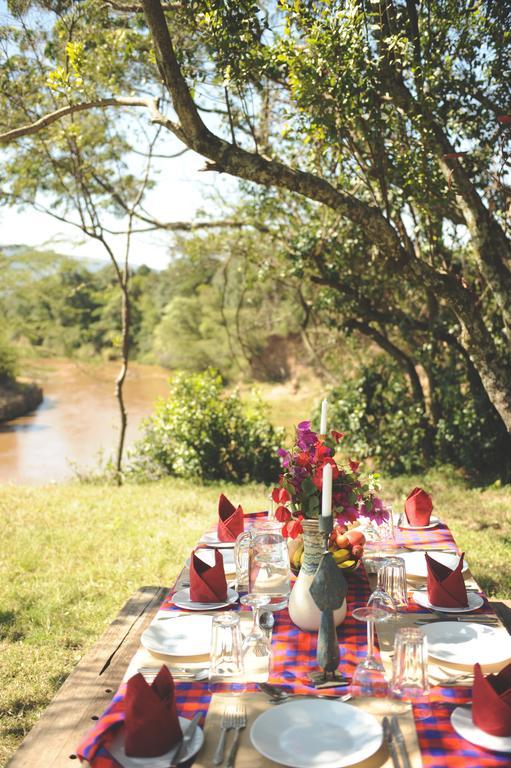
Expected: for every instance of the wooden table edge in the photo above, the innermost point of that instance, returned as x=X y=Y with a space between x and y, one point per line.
x=88 y=690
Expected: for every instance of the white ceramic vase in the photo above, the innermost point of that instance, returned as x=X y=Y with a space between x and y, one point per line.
x=303 y=611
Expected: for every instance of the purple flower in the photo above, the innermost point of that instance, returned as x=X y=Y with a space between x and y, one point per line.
x=378 y=513
x=285 y=457
x=304 y=426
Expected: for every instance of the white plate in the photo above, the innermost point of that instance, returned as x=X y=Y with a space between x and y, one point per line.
x=433 y=522
x=179 y=636
x=475 y=601
x=316 y=734
x=461 y=642
x=208 y=555
x=211 y=539
x=182 y=600
x=116 y=749
x=415 y=562
x=461 y=720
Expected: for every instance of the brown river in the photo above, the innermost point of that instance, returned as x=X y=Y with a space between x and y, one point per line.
x=77 y=420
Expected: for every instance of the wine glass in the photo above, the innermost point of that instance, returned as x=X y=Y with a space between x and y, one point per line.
x=369 y=676
x=380 y=598
x=256 y=648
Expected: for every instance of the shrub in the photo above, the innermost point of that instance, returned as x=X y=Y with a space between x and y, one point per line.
x=383 y=422
x=8 y=362
x=379 y=418
x=200 y=432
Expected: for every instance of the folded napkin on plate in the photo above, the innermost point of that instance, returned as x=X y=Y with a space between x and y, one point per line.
x=418 y=507
x=446 y=587
x=230 y=520
x=491 y=701
x=148 y=716
x=151 y=723
x=207 y=582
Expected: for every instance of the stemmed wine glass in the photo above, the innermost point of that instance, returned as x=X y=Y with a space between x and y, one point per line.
x=369 y=676
x=256 y=648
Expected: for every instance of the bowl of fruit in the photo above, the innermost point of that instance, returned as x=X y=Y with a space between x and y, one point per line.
x=345 y=544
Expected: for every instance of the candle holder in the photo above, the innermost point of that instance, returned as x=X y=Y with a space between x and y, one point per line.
x=328 y=590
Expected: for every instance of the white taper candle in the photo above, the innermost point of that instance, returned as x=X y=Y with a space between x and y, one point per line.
x=326 y=496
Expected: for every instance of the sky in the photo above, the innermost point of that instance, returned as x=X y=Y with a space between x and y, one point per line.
x=182 y=193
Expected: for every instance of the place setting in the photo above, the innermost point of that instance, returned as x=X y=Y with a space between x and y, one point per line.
x=417 y=512
x=230 y=525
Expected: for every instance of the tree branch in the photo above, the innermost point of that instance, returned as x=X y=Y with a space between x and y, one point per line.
x=52 y=117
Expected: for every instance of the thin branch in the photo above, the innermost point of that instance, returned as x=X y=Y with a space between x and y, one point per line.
x=52 y=117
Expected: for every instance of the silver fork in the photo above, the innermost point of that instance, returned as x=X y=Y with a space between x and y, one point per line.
x=226 y=724
x=240 y=722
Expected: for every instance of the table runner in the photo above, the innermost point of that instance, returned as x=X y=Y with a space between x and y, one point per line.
x=294 y=654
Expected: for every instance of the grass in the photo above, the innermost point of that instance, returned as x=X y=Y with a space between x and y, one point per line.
x=71 y=556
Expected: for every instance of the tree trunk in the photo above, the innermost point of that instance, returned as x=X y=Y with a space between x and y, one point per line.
x=119 y=382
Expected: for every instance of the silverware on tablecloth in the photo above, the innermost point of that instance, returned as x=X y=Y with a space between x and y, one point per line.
x=279 y=695
x=185 y=740
x=240 y=722
x=389 y=739
x=398 y=735
x=226 y=724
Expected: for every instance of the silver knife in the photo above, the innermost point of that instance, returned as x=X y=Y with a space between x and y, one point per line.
x=187 y=737
x=390 y=742
x=394 y=725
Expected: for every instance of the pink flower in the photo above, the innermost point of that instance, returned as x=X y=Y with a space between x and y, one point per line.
x=282 y=514
x=280 y=496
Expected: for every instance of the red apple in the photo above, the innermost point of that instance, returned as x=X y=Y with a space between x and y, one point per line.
x=356 y=537
x=342 y=541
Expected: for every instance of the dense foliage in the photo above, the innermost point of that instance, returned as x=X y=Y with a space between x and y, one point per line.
x=201 y=433
x=382 y=422
x=8 y=361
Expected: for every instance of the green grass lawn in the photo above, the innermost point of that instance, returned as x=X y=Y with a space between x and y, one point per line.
x=71 y=556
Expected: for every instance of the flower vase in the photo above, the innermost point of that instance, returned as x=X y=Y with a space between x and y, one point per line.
x=303 y=611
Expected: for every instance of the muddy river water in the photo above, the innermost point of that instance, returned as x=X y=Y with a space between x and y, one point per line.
x=77 y=420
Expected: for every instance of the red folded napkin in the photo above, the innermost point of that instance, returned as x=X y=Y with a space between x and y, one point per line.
x=207 y=582
x=151 y=723
x=446 y=587
x=491 y=701
x=230 y=520
x=418 y=507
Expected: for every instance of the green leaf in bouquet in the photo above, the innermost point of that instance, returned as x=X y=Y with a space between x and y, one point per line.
x=308 y=487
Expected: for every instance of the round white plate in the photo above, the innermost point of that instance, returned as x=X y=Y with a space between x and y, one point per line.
x=116 y=749
x=475 y=601
x=433 y=522
x=179 y=636
x=211 y=539
x=182 y=600
x=415 y=562
x=316 y=734
x=461 y=720
x=208 y=555
x=461 y=642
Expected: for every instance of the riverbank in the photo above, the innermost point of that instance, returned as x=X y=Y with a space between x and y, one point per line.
x=17 y=398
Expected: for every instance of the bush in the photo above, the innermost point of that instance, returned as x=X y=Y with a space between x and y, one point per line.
x=198 y=432
x=8 y=362
x=383 y=422
x=380 y=419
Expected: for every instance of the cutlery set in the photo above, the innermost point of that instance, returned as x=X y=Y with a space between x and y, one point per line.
x=279 y=695
x=233 y=718
x=395 y=742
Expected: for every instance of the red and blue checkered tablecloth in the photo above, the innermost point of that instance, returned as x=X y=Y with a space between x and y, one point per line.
x=294 y=656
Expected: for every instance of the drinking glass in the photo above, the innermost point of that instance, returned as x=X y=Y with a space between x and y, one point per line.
x=392 y=579
x=380 y=538
x=226 y=672
x=381 y=599
x=369 y=676
x=269 y=572
x=256 y=648
x=410 y=669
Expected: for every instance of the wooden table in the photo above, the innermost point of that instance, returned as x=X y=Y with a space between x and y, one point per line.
x=89 y=688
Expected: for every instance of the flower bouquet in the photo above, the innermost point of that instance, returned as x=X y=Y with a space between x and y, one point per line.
x=298 y=496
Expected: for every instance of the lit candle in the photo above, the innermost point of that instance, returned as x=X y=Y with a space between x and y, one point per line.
x=322 y=428
x=326 y=496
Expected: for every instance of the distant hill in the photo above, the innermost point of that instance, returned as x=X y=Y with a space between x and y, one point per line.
x=19 y=254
